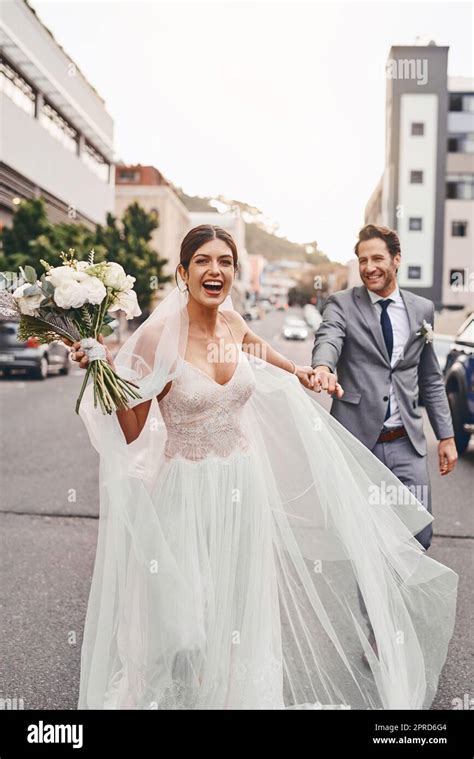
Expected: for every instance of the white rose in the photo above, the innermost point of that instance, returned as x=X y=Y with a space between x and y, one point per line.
x=115 y=277
x=28 y=304
x=59 y=275
x=82 y=265
x=127 y=301
x=80 y=276
x=94 y=289
x=71 y=294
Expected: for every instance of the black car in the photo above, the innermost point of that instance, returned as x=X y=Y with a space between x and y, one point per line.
x=459 y=379
x=30 y=357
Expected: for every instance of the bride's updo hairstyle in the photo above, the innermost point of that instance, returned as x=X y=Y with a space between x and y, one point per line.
x=197 y=237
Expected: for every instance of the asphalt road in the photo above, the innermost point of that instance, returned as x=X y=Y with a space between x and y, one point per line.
x=49 y=510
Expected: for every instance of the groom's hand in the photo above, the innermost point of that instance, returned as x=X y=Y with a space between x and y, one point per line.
x=304 y=374
x=323 y=379
x=447 y=455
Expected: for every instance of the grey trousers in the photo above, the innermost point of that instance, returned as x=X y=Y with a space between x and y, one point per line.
x=412 y=470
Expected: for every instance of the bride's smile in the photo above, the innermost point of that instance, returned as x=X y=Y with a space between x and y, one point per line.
x=209 y=274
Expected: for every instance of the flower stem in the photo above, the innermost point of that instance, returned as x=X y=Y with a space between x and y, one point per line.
x=84 y=383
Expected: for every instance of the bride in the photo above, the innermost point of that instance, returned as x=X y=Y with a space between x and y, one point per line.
x=239 y=520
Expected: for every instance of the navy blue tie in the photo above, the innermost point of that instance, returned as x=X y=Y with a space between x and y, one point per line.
x=387 y=335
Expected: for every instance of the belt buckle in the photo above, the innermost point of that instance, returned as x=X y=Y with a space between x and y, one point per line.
x=391 y=432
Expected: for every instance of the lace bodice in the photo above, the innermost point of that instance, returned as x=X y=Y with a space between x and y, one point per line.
x=204 y=418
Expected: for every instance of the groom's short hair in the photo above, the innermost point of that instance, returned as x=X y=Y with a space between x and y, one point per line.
x=371 y=231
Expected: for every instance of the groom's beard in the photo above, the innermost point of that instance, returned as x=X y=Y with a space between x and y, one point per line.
x=386 y=281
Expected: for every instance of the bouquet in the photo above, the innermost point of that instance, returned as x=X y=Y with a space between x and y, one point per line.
x=72 y=302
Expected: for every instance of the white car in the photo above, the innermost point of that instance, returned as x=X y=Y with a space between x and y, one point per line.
x=295 y=329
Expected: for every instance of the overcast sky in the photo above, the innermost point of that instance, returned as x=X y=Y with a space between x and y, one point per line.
x=279 y=105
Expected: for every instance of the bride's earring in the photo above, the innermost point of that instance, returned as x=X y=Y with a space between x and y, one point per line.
x=186 y=288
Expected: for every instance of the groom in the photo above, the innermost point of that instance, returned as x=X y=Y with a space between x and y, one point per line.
x=368 y=338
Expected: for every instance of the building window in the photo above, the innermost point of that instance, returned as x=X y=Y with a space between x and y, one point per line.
x=460 y=187
x=16 y=88
x=414 y=272
x=459 y=228
x=128 y=175
x=461 y=143
x=456 y=278
x=415 y=223
x=58 y=127
x=416 y=177
x=453 y=144
x=95 y=161
x=417 y=129
x=468 y=103
x=455 y=101
x=461 y=102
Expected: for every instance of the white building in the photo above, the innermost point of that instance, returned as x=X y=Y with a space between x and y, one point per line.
x=426 y=192
x=148 y=187
x=458 y=280
x=57 y=136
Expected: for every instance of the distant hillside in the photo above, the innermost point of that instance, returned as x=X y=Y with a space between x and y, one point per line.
x=259 y=238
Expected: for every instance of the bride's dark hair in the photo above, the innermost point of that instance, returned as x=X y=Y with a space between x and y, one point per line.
x=197 y=237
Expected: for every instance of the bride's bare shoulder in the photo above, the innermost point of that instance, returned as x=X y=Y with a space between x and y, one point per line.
x=236 y=321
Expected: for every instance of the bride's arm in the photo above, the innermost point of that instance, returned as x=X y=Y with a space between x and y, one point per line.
x=131 y=420
x=257 y=346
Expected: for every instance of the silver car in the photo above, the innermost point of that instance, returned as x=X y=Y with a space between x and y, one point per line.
x=30 y=357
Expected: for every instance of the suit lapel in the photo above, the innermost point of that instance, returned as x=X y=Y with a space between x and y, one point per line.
x=410 y=305
x=370 y=317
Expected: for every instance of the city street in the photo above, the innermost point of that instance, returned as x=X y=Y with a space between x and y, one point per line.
x=49 y=521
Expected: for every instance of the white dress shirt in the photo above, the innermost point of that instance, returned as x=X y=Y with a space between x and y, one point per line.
x=401 y=332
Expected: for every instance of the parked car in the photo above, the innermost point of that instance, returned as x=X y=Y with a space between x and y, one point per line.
x=31 y=356
x=459 y=379
x=295 y=329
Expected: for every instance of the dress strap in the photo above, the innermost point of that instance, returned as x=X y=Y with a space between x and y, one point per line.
x=232 y=336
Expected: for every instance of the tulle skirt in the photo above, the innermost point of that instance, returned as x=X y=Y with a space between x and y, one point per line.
x=223 y=611
x=260 y=580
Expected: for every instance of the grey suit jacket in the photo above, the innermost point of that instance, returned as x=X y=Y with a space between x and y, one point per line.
x=350 y=342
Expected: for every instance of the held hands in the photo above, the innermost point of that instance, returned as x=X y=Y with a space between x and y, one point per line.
x=319 y=378
x=323 y=379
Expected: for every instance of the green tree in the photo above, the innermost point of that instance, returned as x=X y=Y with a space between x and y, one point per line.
x=128 y=243
x=32 y=237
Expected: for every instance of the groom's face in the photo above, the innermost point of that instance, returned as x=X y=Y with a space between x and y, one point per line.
x=377 y=267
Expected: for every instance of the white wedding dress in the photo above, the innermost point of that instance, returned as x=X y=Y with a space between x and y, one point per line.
x=230 y=580
x=215 y=511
